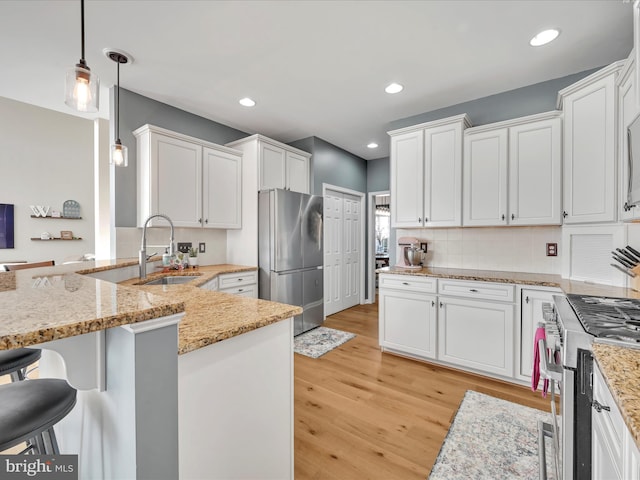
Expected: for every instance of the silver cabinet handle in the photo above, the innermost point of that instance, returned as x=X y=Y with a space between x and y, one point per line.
x=240 y=279
x=241 y=289
x=405 y=283
x=503 y=216
x=419 y=219
x=433 y=303
x=440 y=304
x=426 y=219
x=473 y=290
x=513 y=217
x=526 y=299
x=598 y=407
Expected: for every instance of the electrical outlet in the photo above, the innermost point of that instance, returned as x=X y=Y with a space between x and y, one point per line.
x=184 y=247
x=201 y=247
x=552 y=249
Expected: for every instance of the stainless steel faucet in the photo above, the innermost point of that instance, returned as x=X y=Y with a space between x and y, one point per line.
x=142 y=257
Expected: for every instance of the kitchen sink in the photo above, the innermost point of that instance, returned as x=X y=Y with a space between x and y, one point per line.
x=177 y=280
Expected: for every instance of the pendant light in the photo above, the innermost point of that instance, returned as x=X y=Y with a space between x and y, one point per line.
x=119 y=155
x=82 y=87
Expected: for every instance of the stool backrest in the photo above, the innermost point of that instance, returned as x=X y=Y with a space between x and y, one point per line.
x=22 y=266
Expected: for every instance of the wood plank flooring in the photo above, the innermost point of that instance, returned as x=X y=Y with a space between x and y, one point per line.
x=360 y=413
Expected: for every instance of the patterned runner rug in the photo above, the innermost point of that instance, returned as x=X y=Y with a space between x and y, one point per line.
x=319 y=341
x=492 y=439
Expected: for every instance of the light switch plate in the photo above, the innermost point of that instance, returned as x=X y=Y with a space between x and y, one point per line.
x=201 y=247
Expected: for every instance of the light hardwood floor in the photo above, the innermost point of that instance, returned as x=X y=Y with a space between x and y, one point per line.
x=361 y=414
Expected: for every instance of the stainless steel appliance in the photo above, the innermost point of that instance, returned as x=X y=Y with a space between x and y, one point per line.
x=409 y=253
x=572 y=325
x=290 y=255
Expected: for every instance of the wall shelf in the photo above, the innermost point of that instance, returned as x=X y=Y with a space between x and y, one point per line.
x=36 y=239
x=59 y=218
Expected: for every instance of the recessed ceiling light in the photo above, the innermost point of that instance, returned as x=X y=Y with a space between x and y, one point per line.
x=247 y=102
x=544 y=37
x=394 y=88
x=372 y=145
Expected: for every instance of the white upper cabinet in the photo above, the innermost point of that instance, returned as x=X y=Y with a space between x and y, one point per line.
x=426 y=174
x=590 y=147
x=512 y=172
x=193 y=182
x=222 y=199
x=627 y=111
x=407 y=163
x=535 y=173
x=281 y=166
x=485 y=178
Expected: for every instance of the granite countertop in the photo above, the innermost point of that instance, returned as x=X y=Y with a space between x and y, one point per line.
x=42 y=304
x=215 y=316
x=50 y=303
x=620 y=367
x=520 y=278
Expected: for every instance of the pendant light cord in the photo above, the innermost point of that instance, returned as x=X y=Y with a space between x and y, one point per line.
x=118 y=103
x=82 y=61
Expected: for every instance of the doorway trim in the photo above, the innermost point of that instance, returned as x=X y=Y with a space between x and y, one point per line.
x=371 y=242
x=362 y=196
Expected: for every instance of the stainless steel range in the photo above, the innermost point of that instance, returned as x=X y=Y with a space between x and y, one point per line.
x=573 y=323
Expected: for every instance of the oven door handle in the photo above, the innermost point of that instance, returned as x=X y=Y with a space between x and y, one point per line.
x=551 y=371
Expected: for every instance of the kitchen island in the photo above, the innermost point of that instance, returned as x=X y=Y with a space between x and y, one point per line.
x=138 y=396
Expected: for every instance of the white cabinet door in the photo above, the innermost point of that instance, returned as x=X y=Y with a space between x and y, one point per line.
x=408 y=322
x=589 y=153
x=443 y=176
x=272 y=167
x=485 y=178
x=297 y=177
x=530 y=316
x=176 y=180
x=535 y=169
x=222 y=189
x=608 y=432
x=407 y=179
x=627 y=111
x=476 y=334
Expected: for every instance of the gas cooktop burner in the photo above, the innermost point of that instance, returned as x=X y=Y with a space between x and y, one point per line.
x=614 y=318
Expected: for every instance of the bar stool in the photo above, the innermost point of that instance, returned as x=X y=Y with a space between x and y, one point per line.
x=30 y=409
x=15 y=362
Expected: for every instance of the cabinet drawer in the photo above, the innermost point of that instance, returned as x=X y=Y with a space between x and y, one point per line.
x=232 y=280
x=481 y=290
x=244 y=291
x=413 y=283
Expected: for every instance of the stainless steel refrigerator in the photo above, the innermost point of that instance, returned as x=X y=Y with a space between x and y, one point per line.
x=290 y=255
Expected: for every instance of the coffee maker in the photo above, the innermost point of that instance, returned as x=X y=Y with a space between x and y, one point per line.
x=409 y=253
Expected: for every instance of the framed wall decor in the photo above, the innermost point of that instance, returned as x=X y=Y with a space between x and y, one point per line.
x=6 y=225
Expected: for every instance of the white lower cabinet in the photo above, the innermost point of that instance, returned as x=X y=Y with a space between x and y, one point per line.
x=243 y=284
x=476 y=334
x=614 y=452
x=407 y=315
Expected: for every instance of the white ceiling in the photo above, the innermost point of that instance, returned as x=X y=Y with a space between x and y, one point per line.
x=314 y=67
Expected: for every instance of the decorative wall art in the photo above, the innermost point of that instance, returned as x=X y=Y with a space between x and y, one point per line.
x=6 y=225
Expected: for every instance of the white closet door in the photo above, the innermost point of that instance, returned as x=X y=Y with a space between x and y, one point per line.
x=342 y=250
x=333 y=252
x=351 y=258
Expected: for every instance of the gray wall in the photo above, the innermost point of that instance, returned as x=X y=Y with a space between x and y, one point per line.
x=537 y=98
x=135 y=111
x=378 y=174
x=333 y=165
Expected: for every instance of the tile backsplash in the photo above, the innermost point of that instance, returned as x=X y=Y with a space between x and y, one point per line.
x=510 y=249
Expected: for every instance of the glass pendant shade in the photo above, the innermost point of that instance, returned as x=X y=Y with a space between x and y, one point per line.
x=119 y=155
x=82 y=89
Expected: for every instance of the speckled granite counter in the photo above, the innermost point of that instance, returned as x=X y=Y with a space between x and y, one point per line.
x=42 y=304
x=520 y=278
x=39 y=305
x=620 y=367
x=215 y=316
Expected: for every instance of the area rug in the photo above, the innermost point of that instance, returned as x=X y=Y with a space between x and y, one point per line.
x=319 y=341
x=492 y=439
